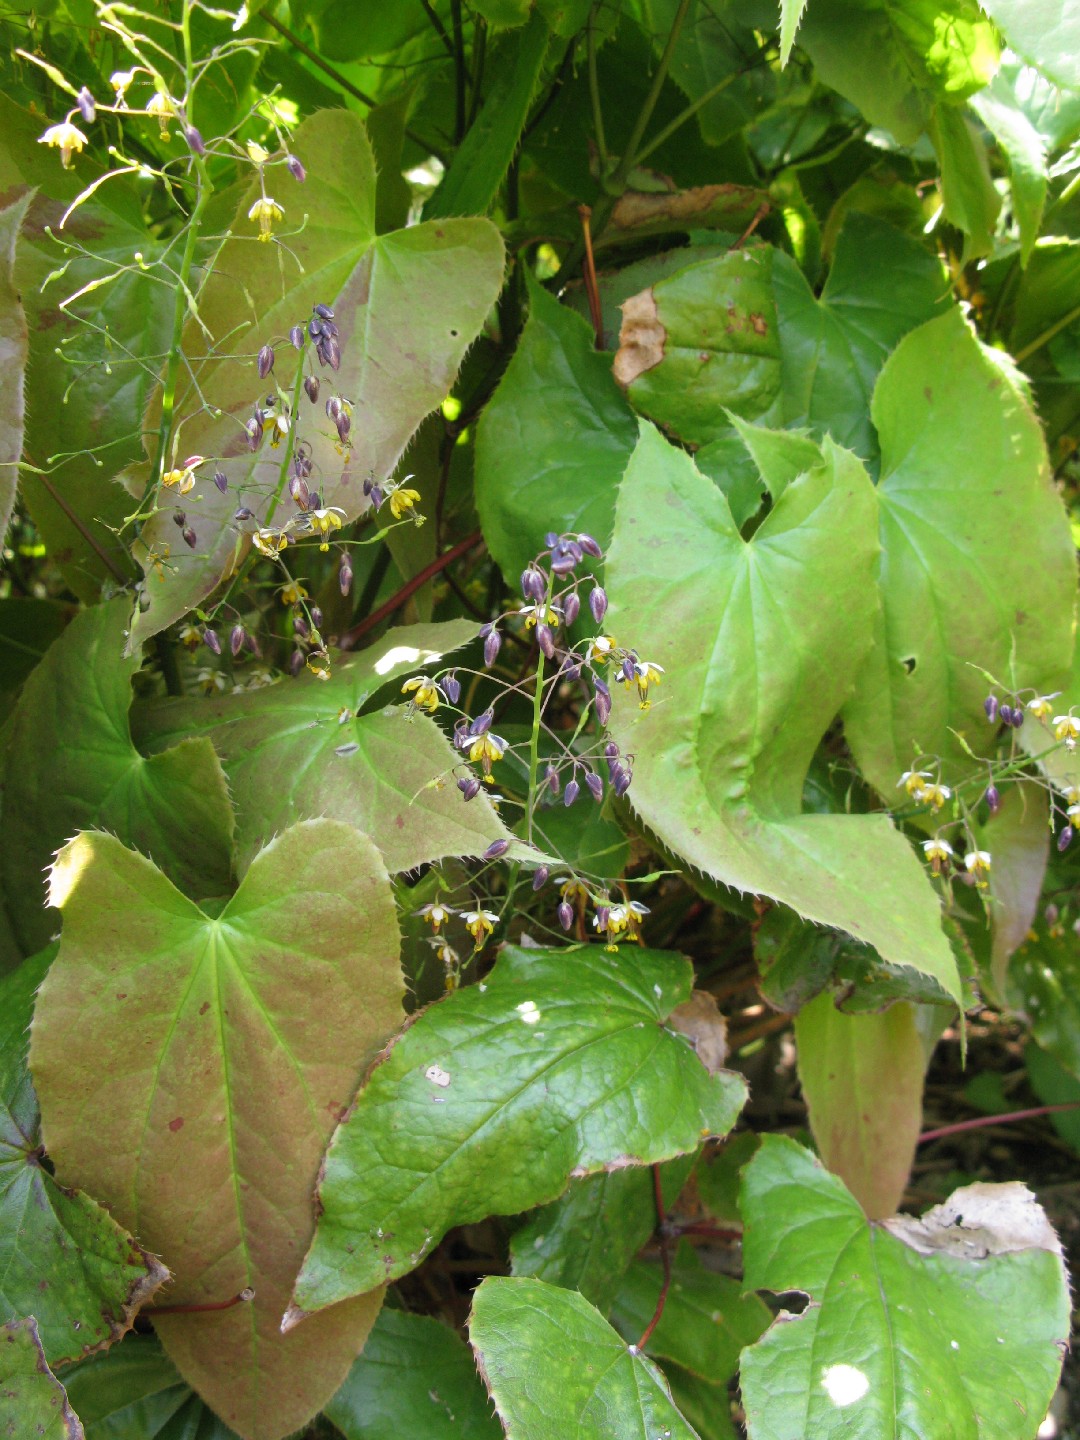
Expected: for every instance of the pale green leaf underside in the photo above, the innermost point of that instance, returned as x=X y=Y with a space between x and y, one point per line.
x=760 y=641
x=13 y=352
x=556 y=1368
x=32 y=1399
x=954 y=1324
x=70 y=764
x=204 y=1135
x=514 y=1086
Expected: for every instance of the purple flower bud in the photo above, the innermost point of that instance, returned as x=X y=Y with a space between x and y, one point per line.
x=244 y=514
x=571 y=607
x=189 y=536
x=179 y=517
x=323 y=312
x=295 y=168
x=1064 y=840
x=236 y=639
x=315 y=502
x=300 y=627
x=565 y=554
x=345 y=575
x=626 y=670
x=344 y=425
x=254 y=428
x=495 y=849
x=602 y=913
x=595 y=784
x=196 y=144
x=333 y=408
x=329 y=352
x=551 y=776
x=470 y=787
x=451 y=688
x=1051 y=914
x=296 y=662
x=551 y=540
x=533 y=584
x=211 y=641
x=540 y=877
x=251 y=644
x=311 y=385
x=598 y=604
x=314 y=327
x=570 y=794
x=492 y=646
x=621 y=781
x=589 y=545
x=993 y=799
x=565 y=914
x=296 y=337
x=300 y=493
x=545 y=638
x=1018 y=717
x=265 y=361
x=482 y=724
x=571 y=667
x=301 y=464
x=221 y=480
x=316 y=616
x=377 y=496
x=603 y=700
x=990 y=705
x=611 y=751
x=87 y=106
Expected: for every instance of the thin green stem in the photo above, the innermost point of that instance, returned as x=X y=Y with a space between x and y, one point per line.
x=534 y=738
x=459 y=71
x=687 y=114
x=290 y=443
x=1047 y=335
x=594 y=93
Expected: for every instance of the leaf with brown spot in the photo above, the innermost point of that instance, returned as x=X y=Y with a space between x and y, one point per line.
x=705 y=207
x=300 y=970
x=32 y=1399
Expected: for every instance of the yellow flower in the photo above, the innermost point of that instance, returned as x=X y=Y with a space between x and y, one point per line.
x=571 y=889
x=156 y=558
x=479 y=924
x=190 y=638
x=1041 y=707
x=427 y=693
x=435 y=914
x=267 y=212
x=66 y=138
x=210 y=680
x=161 y=108
x=935 y=795
x=257 y=153
x=1072 y=794
x=184 y=478
x=270 y=542
x=602 y=647
x=402 y=501
x=1067 y=728
x=325 y=522
x=977 y=863
x=914 y=782
x=121 y=80
x=614 y=920
x=293 y=593
x=939 y=852
x=319 y=666
x=487 y=749
x=534 y=614
x=645 y=674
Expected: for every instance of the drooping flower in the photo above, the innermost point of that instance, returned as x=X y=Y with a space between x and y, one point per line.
x=645 y=673
x=121 y=81
x=479 y=923
x=269 y=542
x=426 y=694
x=914 y=782
x=616 y=920
x=486 y=749
x=66 y=138
x=938 y=852
x=1041 y=706
x=435 y=914
x=1067 y=728
x=977 y=863
x=267 y=213
x=292 y=593
x=161 y=107
x=184 y=478
x=935 y=795
x=211 y=680
x=602 y=648
x=325 y=521
x=540 y=614
x=257 y=153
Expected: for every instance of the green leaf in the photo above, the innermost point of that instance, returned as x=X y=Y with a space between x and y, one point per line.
x=71 y=765
x=14 y=347
x=969 y=198
x=893 y=58
x=1054 y=1085
x=476 y=172
x=703 y=342
x=706 y=1320
x=590 y=1384
x=586 y=1239
x=978 y=572
x=706 y=1407
x=408 y=305
x=27 y=628
x=882 y=284
x=1043 y=984
x=518 y=1084
x=790 y=14
x=135 y=1392
x=592 y=843
x=1000 y=110
x=1018 y=839
x=33 y=1399
x=862 y=1079
x=761 y=640
x=1046 y=33
x=286 y=750
x=953 y=1324
x=552 y=444
x=96 y=1277
x=415 y=1377
x=253 y=1028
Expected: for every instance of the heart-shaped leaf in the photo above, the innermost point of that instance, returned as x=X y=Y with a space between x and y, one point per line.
x=554 y=1366
x=517 y=1084
x=760 y=641
x=407 y=306
x=70 y=764
x=191 y=1068
x=97 y=1277
x=953 y=1324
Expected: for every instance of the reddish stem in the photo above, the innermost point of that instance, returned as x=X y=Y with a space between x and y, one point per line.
x=981 y=1120
x=240 y=1299
x=350 y=637
x=592 y=290
x=665 y=1258
x=708 y=1230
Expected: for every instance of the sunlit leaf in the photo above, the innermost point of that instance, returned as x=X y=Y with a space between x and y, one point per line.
x=96 y=1276
x=70 y=764
x=415 y=1377
x=760 y=641
x=1046 y=33
x=518 y=1085
x=407 y=306
x=590 y=1384
x=1002 y=112
x=33 y=1399
x=191 y=1067
x=1043 y=984
x=954 y=1323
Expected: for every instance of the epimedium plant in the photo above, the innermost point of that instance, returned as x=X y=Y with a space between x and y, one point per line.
x=485 y=486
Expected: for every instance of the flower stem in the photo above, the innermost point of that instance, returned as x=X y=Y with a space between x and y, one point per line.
x=538 y=706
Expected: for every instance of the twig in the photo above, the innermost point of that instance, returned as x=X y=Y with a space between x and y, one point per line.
x=592 y=290
x=982 y=1120
x=665 y=1259
x=350 y=637
x=244 y=1296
